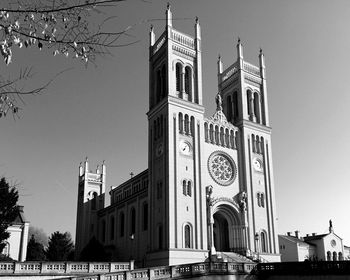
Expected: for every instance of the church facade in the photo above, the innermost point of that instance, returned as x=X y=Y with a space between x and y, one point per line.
x=209 y=185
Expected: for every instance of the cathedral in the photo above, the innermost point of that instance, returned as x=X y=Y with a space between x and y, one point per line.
x=209 y=185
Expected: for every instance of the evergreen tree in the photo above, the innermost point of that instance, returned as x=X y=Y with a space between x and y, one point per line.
x=35 y=250
x=8 y=209
x=94 y=251
x=60 y=247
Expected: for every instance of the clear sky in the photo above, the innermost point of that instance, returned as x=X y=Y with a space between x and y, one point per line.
x=100 y=112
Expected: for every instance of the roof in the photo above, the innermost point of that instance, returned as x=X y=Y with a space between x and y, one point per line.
x=315 y=237
x=20 y=218
x=294 y=239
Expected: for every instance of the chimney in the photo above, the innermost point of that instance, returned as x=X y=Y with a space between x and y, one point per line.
x=314 y=234
x=288 y=233
x=297 y=234
x=307 y=235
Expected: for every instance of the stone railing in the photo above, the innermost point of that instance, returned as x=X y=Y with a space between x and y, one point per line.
x=305 y=268
x=177 y=271
x=182 y=39
x=230 y=71
x=120 y=271
x=160 y=42
x=66 y=268
x=252 y=69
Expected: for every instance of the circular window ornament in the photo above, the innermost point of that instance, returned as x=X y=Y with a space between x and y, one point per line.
x=222 y=168
x=333 y=243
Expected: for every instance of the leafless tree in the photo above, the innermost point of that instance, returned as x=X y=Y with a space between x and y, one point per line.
x=66 y=27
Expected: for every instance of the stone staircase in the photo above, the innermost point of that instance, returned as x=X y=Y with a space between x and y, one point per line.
x=232 y=257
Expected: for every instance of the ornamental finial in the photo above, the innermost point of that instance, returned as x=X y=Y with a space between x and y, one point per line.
x=218 y=100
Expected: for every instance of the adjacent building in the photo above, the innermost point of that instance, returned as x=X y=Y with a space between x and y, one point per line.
x=209 y=185
x=16 y=244
x=314 y=247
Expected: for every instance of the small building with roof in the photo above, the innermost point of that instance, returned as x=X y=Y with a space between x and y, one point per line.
x=314 y=247
x=16 y=244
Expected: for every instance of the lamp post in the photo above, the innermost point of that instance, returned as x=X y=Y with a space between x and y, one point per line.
x=257 y=245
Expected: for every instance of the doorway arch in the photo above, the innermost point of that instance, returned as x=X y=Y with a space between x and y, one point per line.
x=229 y=234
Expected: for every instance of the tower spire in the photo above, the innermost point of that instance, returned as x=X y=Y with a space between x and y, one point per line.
x=151 y=36
x=169 y=16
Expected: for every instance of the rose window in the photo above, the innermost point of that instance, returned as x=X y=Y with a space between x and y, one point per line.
x=221 y=168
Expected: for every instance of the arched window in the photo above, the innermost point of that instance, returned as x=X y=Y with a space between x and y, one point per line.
x=188 y=82
x=178 y=77
x=257 y=145
x=164 y=81
x=161 y=125
x=258 y=196
x=189 y=188
x=184 y=190
x=253 y=143
x=340 y=256
x=6 y=250
x=154 y=130
x=222 y=137
x=133 y=221
x=263 y=242
x=249 y=104
x=262 y=200
x=111 y=231
x=103 y=231
x=94 y=201
x=329 y=256
x=229 y=108
x=216 y=135
x=187 y=235
x=121 y=224
x=206 y=132
x=145 y=216
x=334 y=256
x=159 y=86
x=235 y=105
x=192 y=126
x=187 y=124
x=211 y=133
x=181 y=123
x=257 y=106
x=160 y=237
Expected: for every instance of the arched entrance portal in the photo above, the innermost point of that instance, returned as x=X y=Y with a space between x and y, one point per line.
x=221 y=233
x=229 y=233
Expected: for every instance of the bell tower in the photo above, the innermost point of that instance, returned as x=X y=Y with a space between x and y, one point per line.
x=243 y=90
x=177 y=228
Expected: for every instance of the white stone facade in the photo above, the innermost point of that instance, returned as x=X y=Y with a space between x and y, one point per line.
x=209 y=184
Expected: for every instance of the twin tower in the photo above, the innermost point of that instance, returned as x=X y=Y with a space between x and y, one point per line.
x=209 y=187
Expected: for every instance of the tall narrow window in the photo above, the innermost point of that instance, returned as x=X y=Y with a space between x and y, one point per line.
x=263 y=242
x=184 y=190
x=257 y=106
x=189 y=188
x=258 y=196
x=235 y=105
x=178 y=77
x=121 y=224
x=187 y=234
x=111 y=231
x=103 y=231
x=334 y=256
x=229 y=108
x=262 y=200
x=181 y=123
x=329 y=258
x=145 y=216
x=164 y=81
x=94 y=201
x=159 y=86
x=133 y=221
x=160 y=237
x=188 y=82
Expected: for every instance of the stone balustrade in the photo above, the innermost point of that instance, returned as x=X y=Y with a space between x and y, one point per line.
x=120 y=271
x=35 y=268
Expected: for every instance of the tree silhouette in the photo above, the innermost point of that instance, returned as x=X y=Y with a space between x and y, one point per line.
x=35 y=250
x=94 y=251
x=60 y=247
x=8 y=209
x=64 y=26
